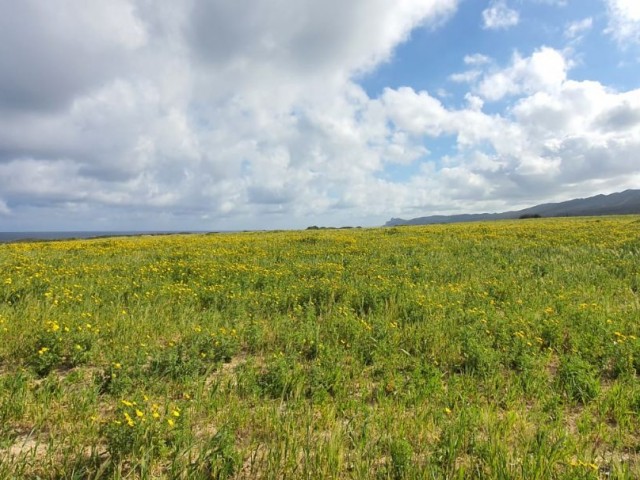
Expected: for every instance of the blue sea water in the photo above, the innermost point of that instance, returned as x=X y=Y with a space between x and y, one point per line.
x=25 y=236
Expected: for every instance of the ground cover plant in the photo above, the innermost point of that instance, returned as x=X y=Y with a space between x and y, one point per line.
x=484 y=350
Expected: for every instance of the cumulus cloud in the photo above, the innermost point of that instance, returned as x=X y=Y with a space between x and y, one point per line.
x=198 y=109
x=561 y=137
x=499 y=16
x=545 y=70
x=624 y=21
x=55 y=51
x=211 y=114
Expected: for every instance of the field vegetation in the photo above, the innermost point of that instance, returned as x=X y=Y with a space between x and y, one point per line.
x=486 y=350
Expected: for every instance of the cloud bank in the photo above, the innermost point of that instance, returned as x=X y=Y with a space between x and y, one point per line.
x=249 y=114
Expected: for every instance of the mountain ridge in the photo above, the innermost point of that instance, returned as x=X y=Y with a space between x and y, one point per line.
x=619 y=203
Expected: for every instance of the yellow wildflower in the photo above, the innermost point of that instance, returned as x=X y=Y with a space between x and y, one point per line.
x=129 y=420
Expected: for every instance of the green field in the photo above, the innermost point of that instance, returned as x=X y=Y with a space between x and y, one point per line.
x=484 y=350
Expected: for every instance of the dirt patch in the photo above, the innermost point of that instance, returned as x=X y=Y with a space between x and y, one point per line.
x=253 y=463
x=26 y=445
x=227 y=370
x=552 y=366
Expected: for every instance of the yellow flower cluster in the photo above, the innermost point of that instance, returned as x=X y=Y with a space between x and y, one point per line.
x=137 y=413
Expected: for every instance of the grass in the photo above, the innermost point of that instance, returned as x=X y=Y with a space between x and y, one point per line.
x=484 y=350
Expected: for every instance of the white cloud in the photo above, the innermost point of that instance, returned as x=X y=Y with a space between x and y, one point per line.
x=576 y=29
x=562 y=138
x=545 y=70
x=197 y=109
x=476 y=59
x=557 y=3
x=55 y=51
x=475 y=103
x=624 y=21
x=499 y=16
x=4 y=208
x=477 y=62
x=465 y=77
x=210 y=114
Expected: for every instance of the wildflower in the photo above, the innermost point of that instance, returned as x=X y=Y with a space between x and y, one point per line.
x=43 y=350
x=170 y=422
x=129 y=420
x=447 y=410
x=127 y=403
x=139 y=413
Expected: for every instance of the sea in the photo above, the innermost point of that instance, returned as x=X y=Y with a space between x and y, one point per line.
x=42 y=236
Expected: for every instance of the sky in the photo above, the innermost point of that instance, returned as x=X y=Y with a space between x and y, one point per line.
x=265 y=114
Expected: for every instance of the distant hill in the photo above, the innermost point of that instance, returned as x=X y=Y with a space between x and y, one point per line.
x=621 y=203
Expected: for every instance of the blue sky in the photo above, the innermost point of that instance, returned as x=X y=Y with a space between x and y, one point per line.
x=431 y=55
x=206 y=114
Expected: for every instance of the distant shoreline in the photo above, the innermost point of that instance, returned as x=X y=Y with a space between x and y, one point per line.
x=16 y=237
